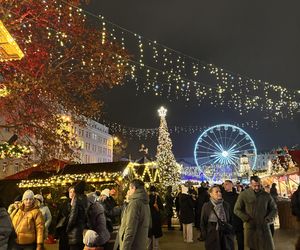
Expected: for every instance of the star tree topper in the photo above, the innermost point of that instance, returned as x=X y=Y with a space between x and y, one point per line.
x=162 y=112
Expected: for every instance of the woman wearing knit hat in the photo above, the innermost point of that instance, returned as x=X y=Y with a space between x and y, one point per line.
x=28 y=223
x=98 y=235
x=45 y=212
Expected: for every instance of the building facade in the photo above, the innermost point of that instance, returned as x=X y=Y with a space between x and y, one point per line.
x=94 y=141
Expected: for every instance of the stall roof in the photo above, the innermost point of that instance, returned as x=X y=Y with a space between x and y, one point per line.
x=109 y=167
x=51 y=166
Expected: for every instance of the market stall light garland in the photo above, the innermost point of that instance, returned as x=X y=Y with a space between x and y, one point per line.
x=13 y=151
x=69 y=179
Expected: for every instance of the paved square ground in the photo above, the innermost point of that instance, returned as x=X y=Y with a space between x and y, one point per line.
x=172 y=240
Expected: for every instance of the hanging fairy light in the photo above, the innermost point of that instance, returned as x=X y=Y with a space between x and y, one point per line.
x=170 y=73
x=175 y=75
x=13 y=151
x=145 y=133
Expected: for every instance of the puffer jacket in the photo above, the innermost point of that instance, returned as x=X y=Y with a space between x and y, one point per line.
x=77 y=220
x=97 y=222
x=28 y=225
x=47 y=218
x=5 y=228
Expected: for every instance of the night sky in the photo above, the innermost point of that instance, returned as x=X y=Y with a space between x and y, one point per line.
x=259 y=39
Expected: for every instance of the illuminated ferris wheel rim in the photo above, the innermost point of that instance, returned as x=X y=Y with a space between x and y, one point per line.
x=224 y=153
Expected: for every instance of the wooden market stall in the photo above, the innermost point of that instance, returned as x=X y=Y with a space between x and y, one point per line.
x=287 y=182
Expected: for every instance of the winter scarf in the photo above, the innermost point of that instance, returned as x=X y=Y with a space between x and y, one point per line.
x=219 y=209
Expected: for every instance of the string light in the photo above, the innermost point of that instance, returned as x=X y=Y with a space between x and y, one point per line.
x=4 y=91
x=144 y=133
x=176 y=75
x=13 y=151
x=149 y=170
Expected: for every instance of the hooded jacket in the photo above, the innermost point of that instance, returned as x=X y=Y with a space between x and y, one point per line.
x=5 y=228
x=28 y=225
x=133 y=233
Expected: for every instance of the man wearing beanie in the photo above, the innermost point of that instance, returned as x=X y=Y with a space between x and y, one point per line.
x=28 y=223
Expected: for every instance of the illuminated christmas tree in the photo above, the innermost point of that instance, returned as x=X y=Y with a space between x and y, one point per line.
x=169 y=168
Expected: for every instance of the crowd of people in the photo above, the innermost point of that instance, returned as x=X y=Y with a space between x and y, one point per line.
x=87 y=219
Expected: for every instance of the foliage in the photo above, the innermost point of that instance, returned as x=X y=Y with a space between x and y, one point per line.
x=67 y=63
x=119 y=147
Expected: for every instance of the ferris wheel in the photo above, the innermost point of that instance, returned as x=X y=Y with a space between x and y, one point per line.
x=219 y=149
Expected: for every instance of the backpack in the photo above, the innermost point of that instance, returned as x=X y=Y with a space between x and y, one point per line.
x=295 y=204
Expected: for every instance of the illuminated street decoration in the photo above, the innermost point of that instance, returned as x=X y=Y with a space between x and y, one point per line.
x=13 y=151
x=132 y=171
x=169 y=169
x=172 y=74
x=218 y=151
x=145 y=133
x=9 y=49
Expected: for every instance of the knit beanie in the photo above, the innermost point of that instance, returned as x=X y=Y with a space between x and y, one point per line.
x=90 y=238
x=184 y=189
x=39 y=197
x=28 y=194
x=105 y=192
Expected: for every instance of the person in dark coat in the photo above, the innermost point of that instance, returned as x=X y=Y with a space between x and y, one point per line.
x=169 y=203
x=230 y=196
x=6 y=227
x=203 y=197
x=64 y=207
x=212 y=211
x=156 y=207
x=97 y=222
x=78 y=217
x=257 y=209
x=273 y=192
x=187 y=216
x=272 y=226
x=295 y=207
x=112 y=212
x=177 y=207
